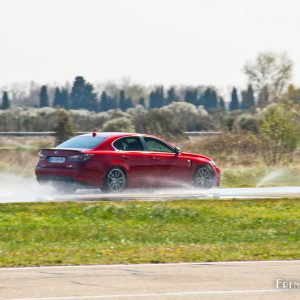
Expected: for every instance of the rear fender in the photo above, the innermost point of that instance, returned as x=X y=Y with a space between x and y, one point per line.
x=116 y=162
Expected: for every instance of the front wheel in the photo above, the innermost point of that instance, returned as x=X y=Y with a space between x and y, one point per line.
x=204 y=177
x=115 y=181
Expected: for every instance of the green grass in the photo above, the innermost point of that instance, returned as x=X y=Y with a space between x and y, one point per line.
x=140 y=232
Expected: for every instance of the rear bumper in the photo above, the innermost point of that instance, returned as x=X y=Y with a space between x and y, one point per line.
x=42 y=179
x=84 y=177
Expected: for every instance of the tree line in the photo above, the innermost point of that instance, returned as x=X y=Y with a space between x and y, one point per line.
x=268 y=77
x=82 y=95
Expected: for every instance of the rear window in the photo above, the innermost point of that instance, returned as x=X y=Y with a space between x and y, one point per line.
x=82 y=142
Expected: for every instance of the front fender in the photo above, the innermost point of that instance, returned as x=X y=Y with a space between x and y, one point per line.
x=200 y=162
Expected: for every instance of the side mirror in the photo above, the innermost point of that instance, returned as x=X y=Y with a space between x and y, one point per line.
x=177 y=150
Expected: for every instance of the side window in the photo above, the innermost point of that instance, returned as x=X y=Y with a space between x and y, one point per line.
x=157 y=145
x=129 y=144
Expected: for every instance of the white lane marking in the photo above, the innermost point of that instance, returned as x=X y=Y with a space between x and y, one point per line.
x=154 y=265
x=157 y=294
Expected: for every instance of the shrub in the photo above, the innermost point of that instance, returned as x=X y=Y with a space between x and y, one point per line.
x=247 y=122
x=63 y=129
x=279 y=133
x=159 y=122
x=121 y=124
x=233 y=148
x=191 y=117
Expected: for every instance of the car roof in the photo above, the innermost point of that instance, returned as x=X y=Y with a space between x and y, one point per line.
x=110 y=134
x=117 y=135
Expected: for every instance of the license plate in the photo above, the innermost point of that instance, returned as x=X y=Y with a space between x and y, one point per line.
x=56 y=159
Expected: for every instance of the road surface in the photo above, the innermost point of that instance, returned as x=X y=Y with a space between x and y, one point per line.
x=35 y=193
x=213 y=281
x=15 y=188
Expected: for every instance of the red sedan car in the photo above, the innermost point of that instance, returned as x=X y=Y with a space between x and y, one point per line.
x=114 y=161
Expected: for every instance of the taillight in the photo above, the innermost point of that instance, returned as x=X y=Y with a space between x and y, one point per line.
x=42 y=156
x=80 y=157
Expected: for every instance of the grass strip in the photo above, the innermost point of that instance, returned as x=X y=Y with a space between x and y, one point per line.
x=34 y=234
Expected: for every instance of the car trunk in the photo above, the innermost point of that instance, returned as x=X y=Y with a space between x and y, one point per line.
x=58 y=158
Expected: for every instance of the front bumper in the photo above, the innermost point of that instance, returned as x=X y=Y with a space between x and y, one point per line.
x=218 y=175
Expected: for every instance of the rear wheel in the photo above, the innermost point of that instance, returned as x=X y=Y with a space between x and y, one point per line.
x=204 y=177
x=115 y=181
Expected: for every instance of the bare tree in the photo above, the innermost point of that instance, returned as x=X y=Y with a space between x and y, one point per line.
x=270 y=72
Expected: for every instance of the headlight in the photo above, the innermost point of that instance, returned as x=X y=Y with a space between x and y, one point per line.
x=213 y=163
x=80 y=157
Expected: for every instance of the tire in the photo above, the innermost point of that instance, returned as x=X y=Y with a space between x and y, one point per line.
x=115 y=181
x=204 y=177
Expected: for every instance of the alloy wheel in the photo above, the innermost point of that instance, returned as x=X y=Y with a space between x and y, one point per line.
x=203 y=178
x=116 y=180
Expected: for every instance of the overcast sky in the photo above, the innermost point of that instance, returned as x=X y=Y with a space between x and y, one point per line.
x=150 y=41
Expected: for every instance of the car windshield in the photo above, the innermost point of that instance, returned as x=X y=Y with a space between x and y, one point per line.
x=82 y=142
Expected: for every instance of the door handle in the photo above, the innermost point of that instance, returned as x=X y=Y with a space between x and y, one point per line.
x=125 y=156
x=155 y=158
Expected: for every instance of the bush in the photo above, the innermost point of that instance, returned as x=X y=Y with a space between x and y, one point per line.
x=202 y=123
x=247 y=122
x=63 y=129
x=159 y=122
x=27 y=119
x=191 y=117
x=279 y=133
x=237 y=148
x=229 y=122
x=121 y=124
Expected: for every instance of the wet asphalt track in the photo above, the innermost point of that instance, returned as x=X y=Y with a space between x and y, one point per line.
x=36 y=193
x=15 y=188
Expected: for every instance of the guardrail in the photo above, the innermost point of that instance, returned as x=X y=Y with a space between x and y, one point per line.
x=51 y=133
x=17 y=133
x=202 y=133
x=31 y=133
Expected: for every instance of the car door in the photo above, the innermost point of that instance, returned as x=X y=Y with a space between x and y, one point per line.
x=167 y=167
x=130 y=151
